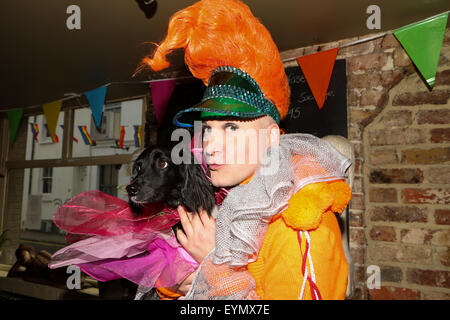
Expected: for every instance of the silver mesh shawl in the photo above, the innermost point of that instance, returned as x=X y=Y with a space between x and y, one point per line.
x=242 y=221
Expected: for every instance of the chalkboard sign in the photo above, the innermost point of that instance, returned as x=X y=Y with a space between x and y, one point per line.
x=304 y=115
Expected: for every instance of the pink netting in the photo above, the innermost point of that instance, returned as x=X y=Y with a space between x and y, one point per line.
x=153 y=259
x=97 y=213
x=108 y=242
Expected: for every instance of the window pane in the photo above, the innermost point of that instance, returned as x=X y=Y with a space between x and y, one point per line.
x=39 y=143
x=116 y=135
x=39 y=203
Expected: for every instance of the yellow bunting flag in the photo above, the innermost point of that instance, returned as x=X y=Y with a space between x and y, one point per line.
x=51 y=112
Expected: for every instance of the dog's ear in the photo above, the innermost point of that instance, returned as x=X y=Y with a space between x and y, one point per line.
x=197 y=192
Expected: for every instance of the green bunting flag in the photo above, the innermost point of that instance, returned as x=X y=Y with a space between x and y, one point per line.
x=14 y=117
x=423 y=42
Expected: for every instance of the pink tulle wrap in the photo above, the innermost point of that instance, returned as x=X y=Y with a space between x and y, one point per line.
x=108 y=242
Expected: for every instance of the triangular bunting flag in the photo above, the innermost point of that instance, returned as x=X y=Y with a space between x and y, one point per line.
x=161 y=92
x=317 y=69
x=423 y=42
x=96 y=100
x=14 y=117
x=51 y=112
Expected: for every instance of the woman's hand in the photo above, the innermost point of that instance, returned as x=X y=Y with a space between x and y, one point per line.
x=198 y=238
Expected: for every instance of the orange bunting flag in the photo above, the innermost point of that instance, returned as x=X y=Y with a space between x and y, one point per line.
x=317 y=69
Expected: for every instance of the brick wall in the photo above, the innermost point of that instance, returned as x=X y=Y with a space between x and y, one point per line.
x=406 y=174
x=399 y=212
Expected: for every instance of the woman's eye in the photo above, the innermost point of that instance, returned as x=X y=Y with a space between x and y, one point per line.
x=162 y=164
x=206 y=130
x=231 y=127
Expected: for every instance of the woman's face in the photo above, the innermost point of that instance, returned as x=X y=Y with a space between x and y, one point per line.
x=233 y=148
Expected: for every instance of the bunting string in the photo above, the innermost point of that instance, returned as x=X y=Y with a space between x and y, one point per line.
x=421 y=40
x=69 y=96
x=370 y=38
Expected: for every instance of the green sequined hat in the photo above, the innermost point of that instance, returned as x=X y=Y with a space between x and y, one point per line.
x=231 y=92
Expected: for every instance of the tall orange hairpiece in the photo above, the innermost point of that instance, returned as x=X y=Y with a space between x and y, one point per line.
x=216 y=33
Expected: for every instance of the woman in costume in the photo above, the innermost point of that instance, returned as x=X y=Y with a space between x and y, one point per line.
x=275 y=236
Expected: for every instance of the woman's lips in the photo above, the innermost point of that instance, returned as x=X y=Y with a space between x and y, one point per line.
x=214 y=166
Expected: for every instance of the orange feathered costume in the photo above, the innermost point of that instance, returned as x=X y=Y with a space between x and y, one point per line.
x=216 y=33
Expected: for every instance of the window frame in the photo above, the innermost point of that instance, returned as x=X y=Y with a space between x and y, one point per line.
x=66 y=159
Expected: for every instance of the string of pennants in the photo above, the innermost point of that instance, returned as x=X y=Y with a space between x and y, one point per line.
x=422 y=41
x=84 y=133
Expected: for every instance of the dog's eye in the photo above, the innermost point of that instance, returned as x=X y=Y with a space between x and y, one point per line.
x=161 y=164
x=138 y=168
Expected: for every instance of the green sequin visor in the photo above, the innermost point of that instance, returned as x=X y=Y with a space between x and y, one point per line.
x=233 y=93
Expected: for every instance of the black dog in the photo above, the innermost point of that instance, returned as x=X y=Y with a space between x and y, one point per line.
x=157 y=179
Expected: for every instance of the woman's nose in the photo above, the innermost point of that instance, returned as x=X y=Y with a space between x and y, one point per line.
x=213 y=145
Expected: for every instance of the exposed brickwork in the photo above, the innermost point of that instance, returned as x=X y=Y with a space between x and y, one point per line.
x=398 y=214
x=383 y=195
x=432 y=278
x=394 y=293
x=438 y=116
x=442 y=216
x=405 y=133
x=383 y=156
x=426 y=156
x=391 y=274
x=426 y=196
x=421 y=98
x=382 y=233
x=396 y=176
x=440 y=135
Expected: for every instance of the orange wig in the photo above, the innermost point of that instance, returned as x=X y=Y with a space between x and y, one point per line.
x=216 y=33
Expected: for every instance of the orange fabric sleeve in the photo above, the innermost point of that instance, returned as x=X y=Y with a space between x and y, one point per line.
x=277 y=271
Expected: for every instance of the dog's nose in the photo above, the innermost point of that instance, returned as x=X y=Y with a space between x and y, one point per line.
x=131 y=189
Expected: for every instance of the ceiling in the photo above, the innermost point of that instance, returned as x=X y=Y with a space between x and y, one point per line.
x=41 y=59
